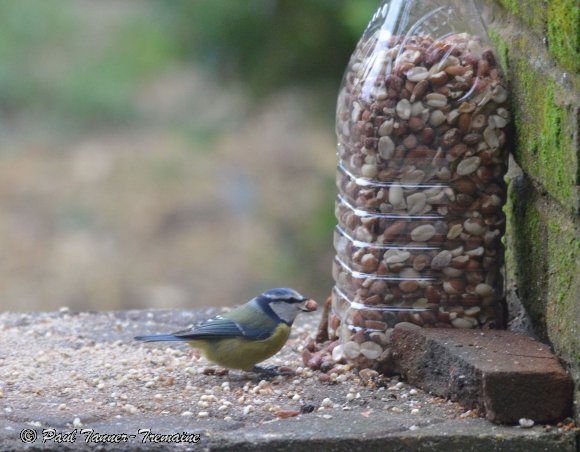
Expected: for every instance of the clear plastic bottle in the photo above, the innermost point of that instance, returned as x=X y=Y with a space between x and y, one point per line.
x=421 y=120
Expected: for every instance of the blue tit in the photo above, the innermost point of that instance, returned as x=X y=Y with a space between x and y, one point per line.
x=248 y=334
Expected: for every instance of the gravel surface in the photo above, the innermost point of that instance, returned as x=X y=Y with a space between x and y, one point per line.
x=86 y=367
x=67 y=371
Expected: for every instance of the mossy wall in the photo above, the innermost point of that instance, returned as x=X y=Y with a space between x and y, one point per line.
x=538 y=44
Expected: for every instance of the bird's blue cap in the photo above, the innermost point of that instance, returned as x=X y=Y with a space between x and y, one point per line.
x=284 y=294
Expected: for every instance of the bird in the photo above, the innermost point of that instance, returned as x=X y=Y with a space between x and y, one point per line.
x=248 y=334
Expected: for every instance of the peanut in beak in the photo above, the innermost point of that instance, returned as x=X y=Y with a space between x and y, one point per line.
x=309 y=306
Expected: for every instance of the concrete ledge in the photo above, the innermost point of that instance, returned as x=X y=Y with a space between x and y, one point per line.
x=504 y=375
x=73 y=371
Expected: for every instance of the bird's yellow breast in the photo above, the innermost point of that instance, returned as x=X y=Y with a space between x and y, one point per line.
x=239 y=353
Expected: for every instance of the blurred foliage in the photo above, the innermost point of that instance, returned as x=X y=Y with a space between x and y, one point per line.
x=53 y=64
x=273 y=43
x=149 y=145
x=103 y=83
x=27 y=29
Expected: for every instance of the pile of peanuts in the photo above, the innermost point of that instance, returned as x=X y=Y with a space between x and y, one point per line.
x=421 y=130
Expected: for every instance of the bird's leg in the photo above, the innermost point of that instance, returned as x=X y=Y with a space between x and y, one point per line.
x=272 y=371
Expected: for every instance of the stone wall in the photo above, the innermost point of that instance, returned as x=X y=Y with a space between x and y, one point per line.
x=539 y=47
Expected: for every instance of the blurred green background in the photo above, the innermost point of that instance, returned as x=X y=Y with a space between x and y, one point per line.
x=168 y=154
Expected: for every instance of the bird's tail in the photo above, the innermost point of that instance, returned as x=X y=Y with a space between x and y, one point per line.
x=158 y=338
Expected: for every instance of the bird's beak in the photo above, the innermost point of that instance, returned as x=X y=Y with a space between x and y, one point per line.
x=308 y=305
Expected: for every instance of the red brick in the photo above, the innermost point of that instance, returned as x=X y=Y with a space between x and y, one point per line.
x=504 y=375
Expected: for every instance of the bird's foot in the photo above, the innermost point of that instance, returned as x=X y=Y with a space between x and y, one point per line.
x=215 y=371
x=273 y=371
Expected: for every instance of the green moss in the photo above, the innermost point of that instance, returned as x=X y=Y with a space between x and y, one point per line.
x=513 y=6
x=543 y=255
x=550 y=140
x=508 y=239
x=501 y=47
x=559 y=21
x=527 y=259
x=563 y=253
x=563 y=322
x=531 y=12
x=545 y=146
x=535 y=15
x=564 y=33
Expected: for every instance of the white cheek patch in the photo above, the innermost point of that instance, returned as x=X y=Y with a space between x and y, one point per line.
x=286 y=311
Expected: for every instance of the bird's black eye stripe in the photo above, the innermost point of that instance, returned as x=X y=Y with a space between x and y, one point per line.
x=294 y=300
x=288 y=300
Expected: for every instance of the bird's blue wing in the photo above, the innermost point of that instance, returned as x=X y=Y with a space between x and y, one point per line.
x=220 y=327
